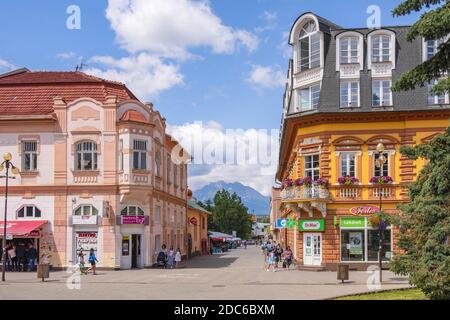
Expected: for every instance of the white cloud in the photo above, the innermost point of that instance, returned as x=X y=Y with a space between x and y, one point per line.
x=169 y=28
x=284 y=47
x=267 y=77
x=270 y=19
x=144 y=74
x=246 y=156
x=66 y=55
x=6 y=66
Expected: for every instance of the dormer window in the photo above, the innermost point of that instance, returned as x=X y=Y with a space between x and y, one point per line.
x=432 y=47
x=309 y=47
x=349 y=50
x=308 y=98
x=381 y=51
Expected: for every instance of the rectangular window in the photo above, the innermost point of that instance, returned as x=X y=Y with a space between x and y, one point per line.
x=348 y=165
x=312 y=166
x=432 y=47
x=381 y=48
x=168 y=169
x=181 y=176
x=309 y=52
x=381 y=93
x=121 y=154
x=175 y=175
x=435 y=99
x=139 y=154
x=29 y=158
x=309 y=98
x=349 y=94
x=381 y=172
x=157 y=215
x=349 y=50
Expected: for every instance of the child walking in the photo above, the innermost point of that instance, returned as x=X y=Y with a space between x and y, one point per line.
x=177 y=258
x=271 y=262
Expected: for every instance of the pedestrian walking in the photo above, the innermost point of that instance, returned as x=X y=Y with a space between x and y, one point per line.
x=271 y=262
x=171 y=258
x=245 y=244
x=287 y=258
x=20 y=255
x=177 y=258
x=81 y=261
x=278 y=254
x=92 y=260
x=12 y=258
x=31 y=255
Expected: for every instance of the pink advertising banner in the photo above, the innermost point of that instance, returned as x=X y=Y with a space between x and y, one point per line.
x=133 y=220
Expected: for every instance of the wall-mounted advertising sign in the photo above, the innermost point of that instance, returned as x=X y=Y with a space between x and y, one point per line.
x=353 y=222
x=312 y=225
x=285 y=223
x=364 y=210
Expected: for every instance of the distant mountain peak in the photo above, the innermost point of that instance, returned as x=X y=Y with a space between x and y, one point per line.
x=252 y=199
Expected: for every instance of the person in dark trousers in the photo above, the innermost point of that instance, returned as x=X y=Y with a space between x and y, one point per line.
x=20 y=254
x=92 y=260
x=31 y=256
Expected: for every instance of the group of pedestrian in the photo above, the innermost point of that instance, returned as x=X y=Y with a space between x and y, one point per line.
x=169 y=259
x=92 y=259
x=21 y=257
x=274 y=254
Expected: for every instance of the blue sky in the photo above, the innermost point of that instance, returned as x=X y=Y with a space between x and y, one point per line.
x=205 y=78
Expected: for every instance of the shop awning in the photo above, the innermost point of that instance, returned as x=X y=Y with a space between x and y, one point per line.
x=21 y=228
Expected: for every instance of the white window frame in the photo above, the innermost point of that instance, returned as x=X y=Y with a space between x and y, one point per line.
x=381 y=93
x=381 y=57
x=25 y=216
x=313 y=169
x=346 y=42
x=312 y=35
x=387 y=164
x=29 y=147
x=311 y=106
x=436 y=99
x=138 y=210
x=347 y=85
x=81 y=148
x=345 y=157
x=392 y=47
x=92 y=210
x=426 y=46
x=157 y=217
x=140 y=149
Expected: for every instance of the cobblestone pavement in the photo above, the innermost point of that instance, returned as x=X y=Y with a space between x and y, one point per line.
x=235 y=275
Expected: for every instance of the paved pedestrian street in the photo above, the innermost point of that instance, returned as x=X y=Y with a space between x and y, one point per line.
x=237 y=274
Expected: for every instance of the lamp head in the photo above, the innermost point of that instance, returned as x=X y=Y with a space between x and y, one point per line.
x=380 y=147
x=7 y=156
x=15 y=170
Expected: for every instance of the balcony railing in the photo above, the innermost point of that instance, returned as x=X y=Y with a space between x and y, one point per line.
x=347 y=192
x=304 y=193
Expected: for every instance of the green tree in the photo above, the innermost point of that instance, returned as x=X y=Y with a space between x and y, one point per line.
x=230 y=214
x=425 y=221
x=209 y=206
x=433 y=24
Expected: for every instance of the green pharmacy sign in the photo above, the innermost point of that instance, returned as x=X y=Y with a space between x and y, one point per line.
x=353 y=222
x=290 y=223
x=312 y=225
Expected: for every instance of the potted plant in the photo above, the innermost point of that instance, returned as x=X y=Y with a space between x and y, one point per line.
x=308 y=182
x=298 y=182
x=348 y=181
x=321 y=182
x=288 y=183
x=382 y=180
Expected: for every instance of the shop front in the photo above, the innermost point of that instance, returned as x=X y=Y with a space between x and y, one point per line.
x=132 y=246
x=312 y=231
x=86 y=236
x=359 y=241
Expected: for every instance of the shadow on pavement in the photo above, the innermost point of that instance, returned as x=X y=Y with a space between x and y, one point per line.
x=210 y=262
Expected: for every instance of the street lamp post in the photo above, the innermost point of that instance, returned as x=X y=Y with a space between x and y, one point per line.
x=380 y=163
x=7 y=165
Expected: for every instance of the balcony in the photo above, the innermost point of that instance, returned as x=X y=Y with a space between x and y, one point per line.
x=306 y=198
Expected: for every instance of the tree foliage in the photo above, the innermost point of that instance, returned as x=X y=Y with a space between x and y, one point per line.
x=433 y=24
x=425 y=221
x=228 y=214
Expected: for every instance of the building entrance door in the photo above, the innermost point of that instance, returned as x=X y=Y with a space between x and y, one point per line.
x=312 y=249
x=135 y=250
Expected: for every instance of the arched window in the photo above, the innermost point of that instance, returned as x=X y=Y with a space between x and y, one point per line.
x=29 y=211
x=309 y=47
x=132 y=211
x=86 y=210
x=86 y=156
